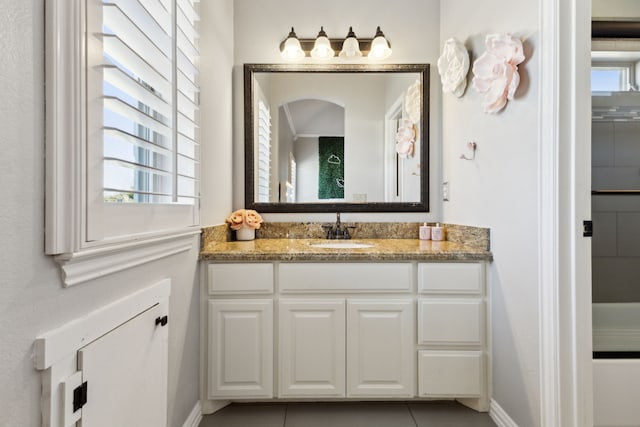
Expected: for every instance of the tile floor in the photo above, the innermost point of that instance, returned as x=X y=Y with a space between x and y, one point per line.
x=348 y=414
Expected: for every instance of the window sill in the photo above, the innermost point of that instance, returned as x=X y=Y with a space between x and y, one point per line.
x=90 y=264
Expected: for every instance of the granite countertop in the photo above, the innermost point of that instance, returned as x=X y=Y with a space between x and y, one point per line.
x=282 y=249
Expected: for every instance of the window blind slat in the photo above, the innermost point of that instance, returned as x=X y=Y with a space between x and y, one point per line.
x=186 y=126
x=186 y=86
x=136 y=66
x=187 y=46
x=187 y=67
x=153 y=21
x=187 y=147
x=189 y=10
x=123 y=150
x=186 y=25
x=143 y=46
x=186 y=167
x=125 y=110
x=126 y=84
x=137 y=166
x=187 y=107
x=187 y=187
x=114 y=134
x=159 y=13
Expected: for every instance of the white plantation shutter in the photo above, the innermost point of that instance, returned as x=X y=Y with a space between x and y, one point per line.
x=142 y=116
x=187 y=93
x=263 y=166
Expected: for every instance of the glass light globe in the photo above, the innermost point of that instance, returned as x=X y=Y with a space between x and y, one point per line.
x=351 y=46
x=322 y=47
x=292 y=49
x=379 y=46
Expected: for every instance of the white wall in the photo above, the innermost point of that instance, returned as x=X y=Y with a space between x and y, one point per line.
x=33 y=300
x=499 y=190
x=216 y=129
x=615 y=9
x=411 y=26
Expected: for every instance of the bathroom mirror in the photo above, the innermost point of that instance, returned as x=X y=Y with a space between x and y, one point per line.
x=323 y=138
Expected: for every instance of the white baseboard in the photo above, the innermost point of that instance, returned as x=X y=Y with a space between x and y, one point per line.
x=194 y=418
x=499 y=416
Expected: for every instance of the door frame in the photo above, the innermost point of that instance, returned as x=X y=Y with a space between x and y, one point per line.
x=566 y=378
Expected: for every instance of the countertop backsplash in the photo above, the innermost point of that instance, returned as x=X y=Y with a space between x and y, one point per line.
x=472 y=236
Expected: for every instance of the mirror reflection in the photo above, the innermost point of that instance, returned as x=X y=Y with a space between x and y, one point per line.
x=341 y=138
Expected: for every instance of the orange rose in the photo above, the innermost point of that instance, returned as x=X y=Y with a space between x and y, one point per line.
x=252 y=219
x=236 y=219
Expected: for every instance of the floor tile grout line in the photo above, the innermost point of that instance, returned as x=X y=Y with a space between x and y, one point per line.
x=286 y=409
x=411 y=413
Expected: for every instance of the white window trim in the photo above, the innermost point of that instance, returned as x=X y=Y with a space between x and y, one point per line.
x=65 y=204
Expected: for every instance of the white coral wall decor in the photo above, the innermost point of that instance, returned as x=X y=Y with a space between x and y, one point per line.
x=496 y=71
x=412 y=102
x=453 y=66
x=405 y=137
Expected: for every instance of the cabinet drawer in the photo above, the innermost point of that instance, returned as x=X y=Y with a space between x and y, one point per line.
x=256 y=278
x=455 y=277
x=450 y=373
x=345 y=277
x=453 y=321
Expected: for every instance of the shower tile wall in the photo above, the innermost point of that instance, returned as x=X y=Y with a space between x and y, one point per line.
x=616 y=218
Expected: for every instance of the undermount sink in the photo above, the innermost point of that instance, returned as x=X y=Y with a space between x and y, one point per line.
x=341 y=245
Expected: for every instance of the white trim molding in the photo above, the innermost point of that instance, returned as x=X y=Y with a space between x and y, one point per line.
x=80 y=267
x=566 y=388
x=194 y=418
x=499 y=416
x=65 y=117
x=57 y=344
x=548 y=277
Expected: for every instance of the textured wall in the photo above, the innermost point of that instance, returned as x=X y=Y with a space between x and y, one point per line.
x=33 y=300
x=499 y=190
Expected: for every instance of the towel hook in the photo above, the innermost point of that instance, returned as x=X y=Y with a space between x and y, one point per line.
x=471 y=145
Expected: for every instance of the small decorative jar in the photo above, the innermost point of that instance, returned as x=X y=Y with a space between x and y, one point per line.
x=245 y=233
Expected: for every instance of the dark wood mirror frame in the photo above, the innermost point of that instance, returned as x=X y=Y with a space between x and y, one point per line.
x=422 y=206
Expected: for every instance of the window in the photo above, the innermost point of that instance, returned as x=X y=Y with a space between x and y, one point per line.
x=122 y=123
x=611 y=78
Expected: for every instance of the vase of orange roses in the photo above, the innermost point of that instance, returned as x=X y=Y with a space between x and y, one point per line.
x=245 y=222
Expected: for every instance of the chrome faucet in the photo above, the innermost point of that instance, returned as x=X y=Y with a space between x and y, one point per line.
x=337 y=231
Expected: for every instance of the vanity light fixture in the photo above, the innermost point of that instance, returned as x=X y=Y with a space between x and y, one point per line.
x=291 y=49
x=323 y=48
x=380 y=48
x=351 y=46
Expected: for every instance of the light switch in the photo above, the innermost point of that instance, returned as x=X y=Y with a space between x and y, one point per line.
x=445 y=191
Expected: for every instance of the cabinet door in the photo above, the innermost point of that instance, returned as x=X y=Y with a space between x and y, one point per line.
x=380 y=348
x=126 y=374
x=240 y=349
x=312 y=348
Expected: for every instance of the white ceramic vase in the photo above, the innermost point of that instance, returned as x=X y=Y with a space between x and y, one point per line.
x=245 y=233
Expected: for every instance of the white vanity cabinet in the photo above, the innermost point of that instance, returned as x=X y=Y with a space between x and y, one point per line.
x=346 y=330
x=452 y=337
x=239 y=347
